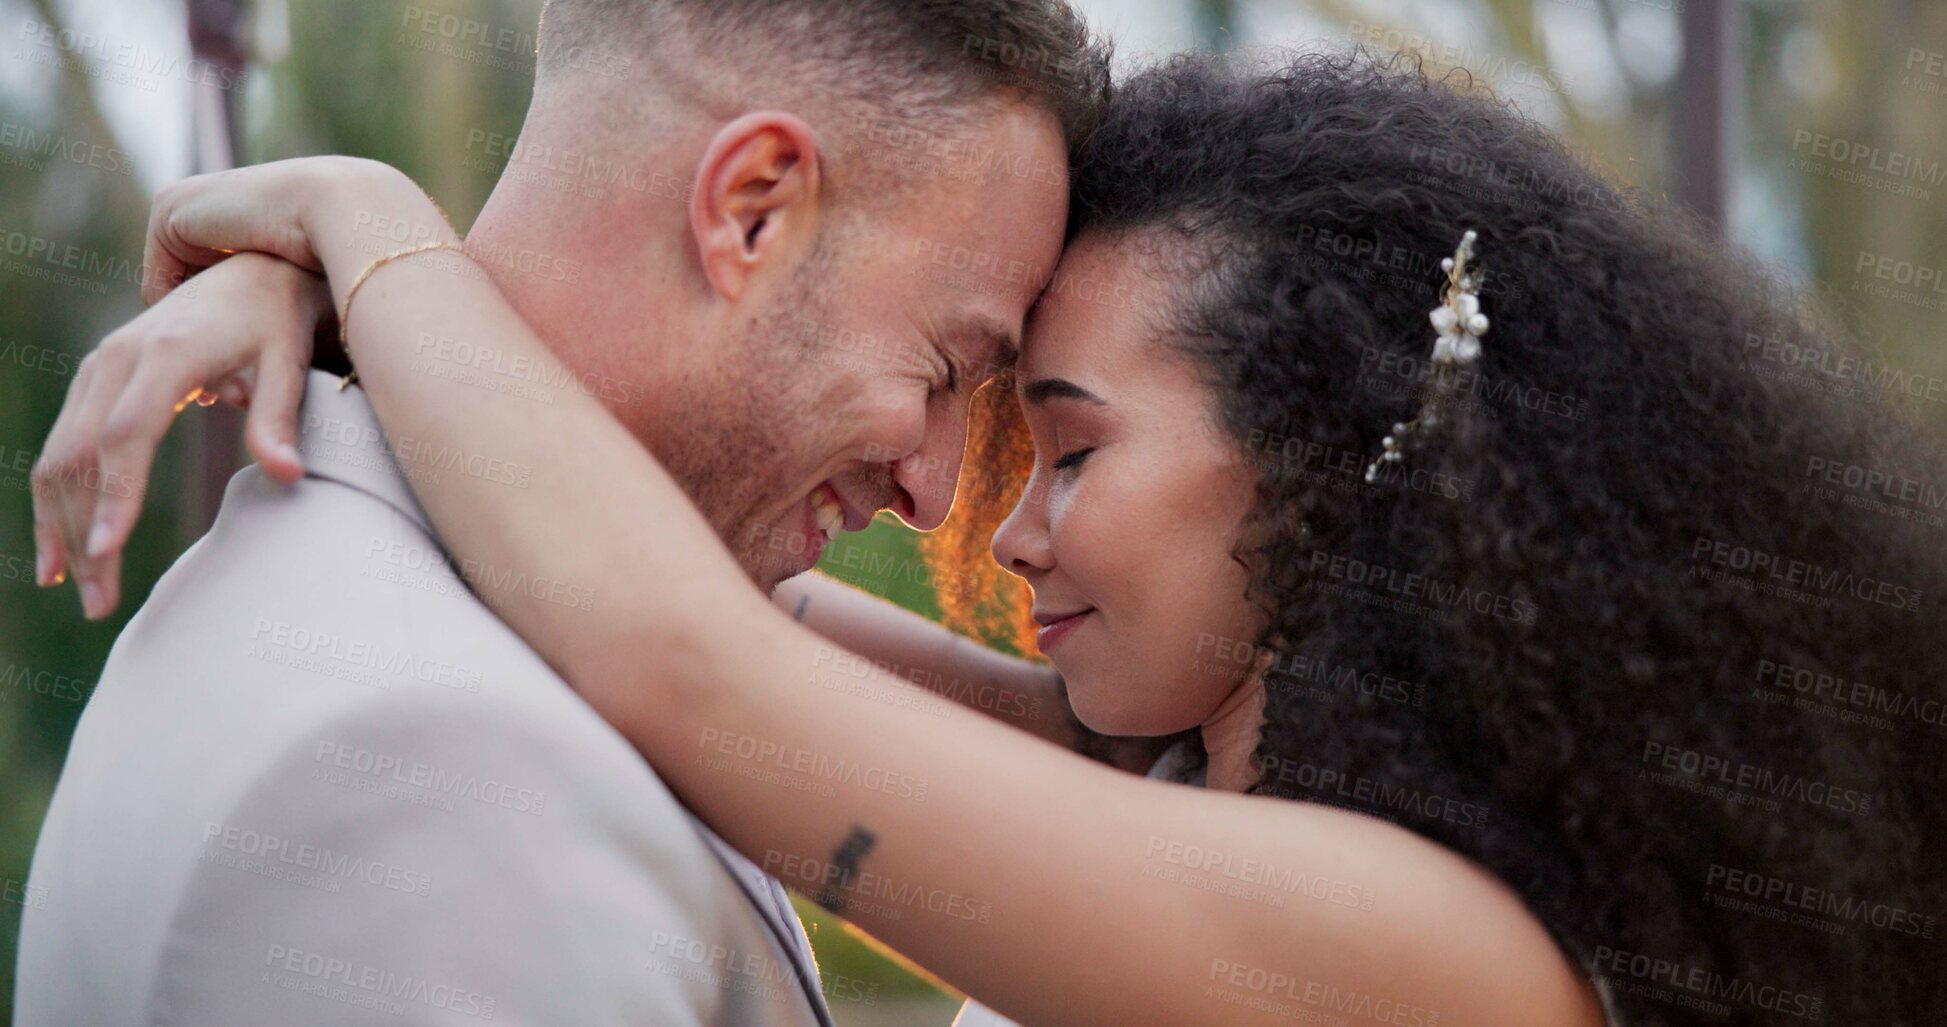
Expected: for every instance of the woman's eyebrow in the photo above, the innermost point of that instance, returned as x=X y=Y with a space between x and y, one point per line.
x=1041 y=390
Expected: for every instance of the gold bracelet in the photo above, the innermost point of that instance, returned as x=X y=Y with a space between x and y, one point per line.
x=345 y=312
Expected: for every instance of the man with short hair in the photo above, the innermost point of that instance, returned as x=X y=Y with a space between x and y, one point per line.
x=319 y=781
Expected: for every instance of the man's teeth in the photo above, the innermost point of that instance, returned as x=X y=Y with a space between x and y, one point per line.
x=831 y=516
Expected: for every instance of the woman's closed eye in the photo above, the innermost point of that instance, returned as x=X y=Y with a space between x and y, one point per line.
x=1073 y=458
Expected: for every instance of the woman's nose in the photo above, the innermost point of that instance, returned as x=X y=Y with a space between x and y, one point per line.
x=1021 y=544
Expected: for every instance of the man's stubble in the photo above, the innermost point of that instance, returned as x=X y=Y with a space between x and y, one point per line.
x=741 y=446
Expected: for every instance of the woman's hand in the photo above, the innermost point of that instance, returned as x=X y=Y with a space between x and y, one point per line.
x=243 y=335
x=329 y=214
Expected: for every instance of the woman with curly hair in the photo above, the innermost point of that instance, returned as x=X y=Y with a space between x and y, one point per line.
x=1611 y=634
x=1558 y=666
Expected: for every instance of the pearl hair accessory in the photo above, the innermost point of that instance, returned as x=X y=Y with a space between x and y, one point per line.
x=1460 y=324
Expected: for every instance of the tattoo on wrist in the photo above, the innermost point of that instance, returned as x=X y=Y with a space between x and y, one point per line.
x=804 y=602
x=844 y=865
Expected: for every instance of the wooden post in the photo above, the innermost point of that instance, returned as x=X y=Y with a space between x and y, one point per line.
x=212 y=439
x=1706 y=118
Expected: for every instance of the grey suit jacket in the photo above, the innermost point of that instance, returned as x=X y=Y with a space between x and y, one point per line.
x=320 y=783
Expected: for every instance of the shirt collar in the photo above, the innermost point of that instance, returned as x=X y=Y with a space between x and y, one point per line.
x=340 y=439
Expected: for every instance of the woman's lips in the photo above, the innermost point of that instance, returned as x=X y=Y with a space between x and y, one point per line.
x=1056 y=630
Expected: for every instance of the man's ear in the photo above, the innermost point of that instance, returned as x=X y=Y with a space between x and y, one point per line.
x=757 y=193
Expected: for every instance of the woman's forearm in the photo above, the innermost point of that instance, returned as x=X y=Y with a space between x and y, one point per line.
x=1013 y=691
x=1016 y=692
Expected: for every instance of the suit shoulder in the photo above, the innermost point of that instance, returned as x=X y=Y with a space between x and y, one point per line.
x=460 y=858
x=321 y=580
x=469 y=855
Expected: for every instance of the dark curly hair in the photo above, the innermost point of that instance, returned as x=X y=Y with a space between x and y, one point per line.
x=1643 y=628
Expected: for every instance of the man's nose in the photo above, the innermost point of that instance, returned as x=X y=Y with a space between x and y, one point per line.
x=924 y=479
x=923 y=485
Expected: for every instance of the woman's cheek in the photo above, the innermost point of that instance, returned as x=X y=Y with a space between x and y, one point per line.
x=1128 y=700
x=1098 y=709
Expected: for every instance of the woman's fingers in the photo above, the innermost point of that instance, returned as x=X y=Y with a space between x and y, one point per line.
x=200 y=220
x=74 y=474
x=271 y=432
x=136 y=423
x=193 y=224
x=164 y=250
x=50 y=552
x=50 y=567
x=244 y=337
x=93 y=472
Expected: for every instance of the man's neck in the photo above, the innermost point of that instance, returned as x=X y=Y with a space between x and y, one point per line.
x=604 y=302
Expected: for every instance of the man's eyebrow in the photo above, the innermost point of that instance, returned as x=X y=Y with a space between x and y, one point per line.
x=1005 y=341
x=1041 y=390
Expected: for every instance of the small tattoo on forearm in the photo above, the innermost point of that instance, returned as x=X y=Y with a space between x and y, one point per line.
x=844 y=865
x=803 y=603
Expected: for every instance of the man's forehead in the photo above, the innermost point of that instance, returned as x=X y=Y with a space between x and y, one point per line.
x=998 y=210
x=978 y=294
